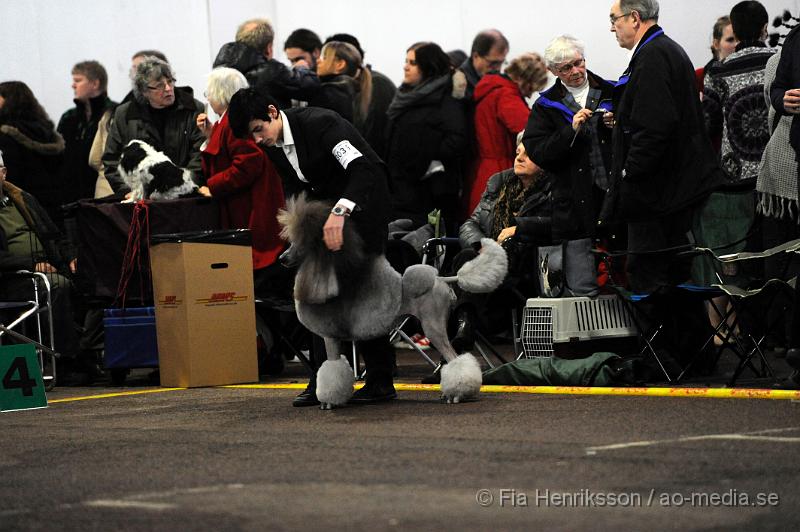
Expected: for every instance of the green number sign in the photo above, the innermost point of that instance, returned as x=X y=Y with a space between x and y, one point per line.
x=21 y=385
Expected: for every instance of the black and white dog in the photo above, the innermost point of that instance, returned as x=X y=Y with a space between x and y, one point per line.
x=150 y=174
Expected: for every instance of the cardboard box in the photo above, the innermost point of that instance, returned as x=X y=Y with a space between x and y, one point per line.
x=205 y=313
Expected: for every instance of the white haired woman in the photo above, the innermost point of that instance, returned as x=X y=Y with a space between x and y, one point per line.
x=240 y=175
x=566 y=136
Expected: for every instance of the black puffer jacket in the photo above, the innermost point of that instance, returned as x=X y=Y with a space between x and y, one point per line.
x=532 y=220
x=268 y=74
x=425 y=129
x=33 y=153
x=181 y=142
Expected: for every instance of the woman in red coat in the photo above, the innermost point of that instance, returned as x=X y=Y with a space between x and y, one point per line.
x=501 y=112
x=239 y=173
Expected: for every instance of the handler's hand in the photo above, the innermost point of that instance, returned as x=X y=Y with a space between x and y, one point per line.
x=506 y=233
x=44 y=267
x=205 y=191
x=332 y=232
x=791 y=101
x=580 y=117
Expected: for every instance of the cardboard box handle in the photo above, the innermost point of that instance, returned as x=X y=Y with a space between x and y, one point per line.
x=219 y=265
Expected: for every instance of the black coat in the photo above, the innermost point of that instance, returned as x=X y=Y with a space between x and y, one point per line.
x=374 y=128
x=663 y=159
x=269 y=75
x=78 y=178
x=433 y=128
x=548 y=142
x=317 y=135
x=33 y=153
x=337 y=93
x=532 y=220
x=181 y=142
x=787 y=76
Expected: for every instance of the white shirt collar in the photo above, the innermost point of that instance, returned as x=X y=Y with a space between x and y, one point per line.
x=288 y=139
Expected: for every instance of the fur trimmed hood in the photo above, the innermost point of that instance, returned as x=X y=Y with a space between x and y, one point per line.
x=54 y=147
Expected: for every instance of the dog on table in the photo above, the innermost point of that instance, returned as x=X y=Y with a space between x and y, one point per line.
x=150 y=174
x=349 y=295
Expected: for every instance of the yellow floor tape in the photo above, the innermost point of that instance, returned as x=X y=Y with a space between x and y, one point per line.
x=708 y=393
x=712 y=393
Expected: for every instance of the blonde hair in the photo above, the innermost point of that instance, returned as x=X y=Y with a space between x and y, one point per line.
x=528 y=67
x=256 y=33
x=354 y=67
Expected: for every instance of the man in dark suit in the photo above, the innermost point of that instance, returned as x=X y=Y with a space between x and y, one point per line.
x=319 y=152
x=663 y=165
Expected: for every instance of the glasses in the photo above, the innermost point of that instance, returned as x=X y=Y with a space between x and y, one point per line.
x=566 y=69
x=168 y=84
x=614 y=19
x=494 y=64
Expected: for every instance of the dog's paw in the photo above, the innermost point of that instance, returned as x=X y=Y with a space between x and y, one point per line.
x=461 y=379
x=334 y=382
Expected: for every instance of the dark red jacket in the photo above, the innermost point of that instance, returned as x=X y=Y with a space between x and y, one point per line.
x=500 y=113
x=248 y=188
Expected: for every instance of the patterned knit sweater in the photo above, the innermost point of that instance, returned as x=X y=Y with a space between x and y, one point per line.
x=733 y=99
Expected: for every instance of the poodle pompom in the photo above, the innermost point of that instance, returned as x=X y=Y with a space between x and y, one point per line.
x=461 y=379
x=335 y=382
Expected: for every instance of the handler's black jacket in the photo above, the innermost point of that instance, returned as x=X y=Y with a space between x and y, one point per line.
x=663 y=159
x=549 y=143
x=363 y=181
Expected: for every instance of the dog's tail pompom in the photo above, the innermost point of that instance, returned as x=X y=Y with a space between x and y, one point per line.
x=485 y=272
x=418 y=279
x=461 y=379
x=335 y=382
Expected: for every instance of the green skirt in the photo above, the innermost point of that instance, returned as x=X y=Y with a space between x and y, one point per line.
x=725 y=218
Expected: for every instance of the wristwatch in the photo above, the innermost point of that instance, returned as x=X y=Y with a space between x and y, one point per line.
x=338 y=210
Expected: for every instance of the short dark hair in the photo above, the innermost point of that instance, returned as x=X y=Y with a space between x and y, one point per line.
x=304 y=39
x=748 y=19
x=483 y=42
x=349 y=39
x=246 y=105
x=431 y=59
x=93 y=71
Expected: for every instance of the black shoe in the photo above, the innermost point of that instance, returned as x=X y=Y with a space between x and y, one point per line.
x=464 y=340
x=373 y=392
x=793 y=358
x=436 y=376
x=792 y=382
x=307 y=397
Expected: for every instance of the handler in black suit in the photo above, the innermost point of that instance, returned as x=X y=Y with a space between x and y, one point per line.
x=319 y=152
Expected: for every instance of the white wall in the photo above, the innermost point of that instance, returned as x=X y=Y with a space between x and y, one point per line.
x=41 y=40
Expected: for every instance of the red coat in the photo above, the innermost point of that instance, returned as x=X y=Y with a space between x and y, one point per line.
x=249 y=190
x=500 y=113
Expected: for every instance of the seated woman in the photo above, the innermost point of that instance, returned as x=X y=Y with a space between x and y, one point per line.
x=516 y=203
x=239 y=173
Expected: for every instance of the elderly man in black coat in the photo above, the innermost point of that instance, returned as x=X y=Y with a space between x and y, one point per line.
x=664 y=165
x=317 y=151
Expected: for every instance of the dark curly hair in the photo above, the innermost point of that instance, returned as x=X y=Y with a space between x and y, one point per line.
x=21 y=104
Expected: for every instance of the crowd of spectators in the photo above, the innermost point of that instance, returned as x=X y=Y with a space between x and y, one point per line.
x=664 y=157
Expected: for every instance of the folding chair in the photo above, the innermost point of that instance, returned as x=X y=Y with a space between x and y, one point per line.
x=754 y=326
x=648 y=334
x=40 y=304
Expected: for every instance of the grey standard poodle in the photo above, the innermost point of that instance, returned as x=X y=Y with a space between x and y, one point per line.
x=350 y=295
